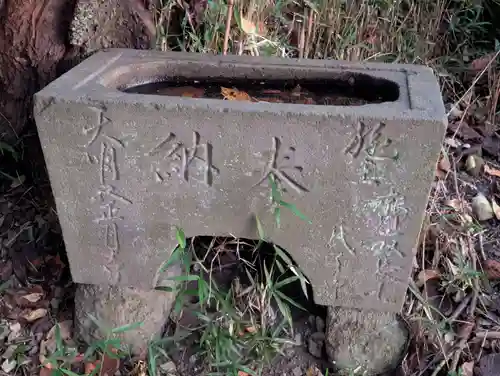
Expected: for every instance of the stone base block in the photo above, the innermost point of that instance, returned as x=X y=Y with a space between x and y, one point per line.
x=117 y=306
x=373 y=341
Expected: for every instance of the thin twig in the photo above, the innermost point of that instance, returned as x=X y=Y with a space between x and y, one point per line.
x=481 y=246
x=489 y=125
x=438 y=368
x=309 y=34
x=475 y=282
x=474 y=82
x=488 y=335
x=481 y=349
x=456 y=354
x=229 y=17
x=463 y=304
x=466 y=330
x=302 y=37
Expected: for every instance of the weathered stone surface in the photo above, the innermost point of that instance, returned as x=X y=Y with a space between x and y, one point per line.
x=127 y=168
x=116 y=306
x=374 y=341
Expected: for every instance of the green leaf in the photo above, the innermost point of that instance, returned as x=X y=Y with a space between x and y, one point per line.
x=181 y=237
x=59 y=341
x=152 y=361
x=295 y=211
x=280 y=266
x=260 y=229
x=179 y=303
x=284 y=309
x=88 y=353
x=275 y=193
x=285 y=282
x=127 y=327
x=289 y=300
x=277 y=216
x=282 y=255
x=175 y=256
x=202 y=291
x=278 y=328
x=184 y=278
x=303 y=282
x=237 y=16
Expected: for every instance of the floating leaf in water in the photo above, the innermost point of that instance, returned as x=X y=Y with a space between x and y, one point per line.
x=232 y=94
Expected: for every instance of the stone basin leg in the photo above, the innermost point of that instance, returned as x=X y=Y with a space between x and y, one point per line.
x=116 y=306
x=374 y=341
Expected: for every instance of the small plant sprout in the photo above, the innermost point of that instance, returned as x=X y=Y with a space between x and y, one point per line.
x=243 y=325
x=61 y=360
x=278 y=203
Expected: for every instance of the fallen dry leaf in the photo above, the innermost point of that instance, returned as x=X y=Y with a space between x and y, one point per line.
x=48 y=345
x=464 y=131
x=247 y=26
x=492 y=171
x=426 y=275
x=482 y=62
x=235 y=94
x=33 y=315
x=261 y=28
x=455 y=203
x=467 y=369
x=250 y=329
x=440 y=174
x=29 y=298
x=183 y=91
x=44 y=371
x=90 y=367
x=492 y=269
x=193 y=92
x=313 y=371
x=109 y=365
x=444 y=163
x=33 y=297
